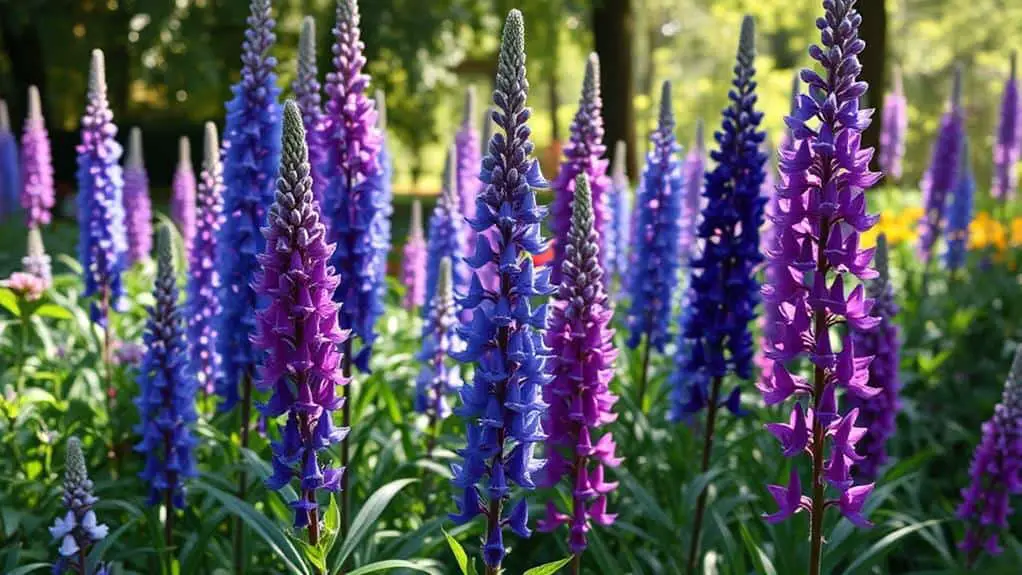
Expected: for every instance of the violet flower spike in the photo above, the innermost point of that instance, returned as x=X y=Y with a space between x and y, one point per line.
x=942 y=175
x=299 y=329
x=822 y=212
x=503 y=407
x=36 y=165
x=138 y=209
x=203 y=305
x=10 y=179
x=579 y=396
x=996 y=472
x=960 y=212
x=695 y=178
x=893 y=129
x=382 y=228
x=584 y=154
x=78 y=529
x=102 y=244
x=182 y=198
x=619 y=206
x=469 y=155
x=413 y=261
x=436 y=380
x=309 y=99
x=445 y=236
x=1008 y=140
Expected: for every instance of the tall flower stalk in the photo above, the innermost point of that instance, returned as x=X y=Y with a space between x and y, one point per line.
x=584 y=154
x=138 y=210
x=36 y=261
x=695 y=179
x=469 y=155
x=618 y=230
x=382 y=229
x=166 y=400
x=445 y=236
x=724 y=290
x=960 y=212
x=1008 y=140
x=36 y=165
x=503 y=406
x=655 y=267
x=579 y=396
x=996 y=472
x=79 y=528
x=894 y=129
x=309 y=99
x=182 y=193
x=203 y=277
x=354 y=199
x=299 y=329
x=413 y=261
x=823 y=181
x=436 y=380
x=10 y=178
x=942 y=176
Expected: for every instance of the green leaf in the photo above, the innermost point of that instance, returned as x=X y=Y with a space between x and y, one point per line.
x=549 y=568
x=54 y=311
x=459 y=554
x=259 y=523
x=388 y=565
x=332 y=525
x=25 y=569
x=878 y=549
x=9 y=302
x=366 y=517
x=313 y=554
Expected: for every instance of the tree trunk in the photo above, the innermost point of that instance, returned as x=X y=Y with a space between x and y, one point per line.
x=613 y=24
x=874 y=70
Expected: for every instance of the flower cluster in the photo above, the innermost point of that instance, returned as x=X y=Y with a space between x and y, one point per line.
x=413 y=261
x=382 y=228
x=354 y=197
x=102 y=244
x=250 y=162
x=724 y=290
x=25 y=285
x=79 y=528
x=619 y=227
x=942 y=176
x=823 y=210
x=655 y=266
x=138 y=210
x=182 y=198
x=996 y=471
x=307 y=95
x=299 y=329
x=694 y=173
x=436 y=380
x=503 y=406
x=36 y=261
x=445 y=237
x=10 y=179
x=203 y=277
x=894 y=129
x=167 y=386
x=1008 y=141
x=879 y=413
x=582 y=365
x=469 y=155
x=960 y=212
x=36 y=165
x=582 y=155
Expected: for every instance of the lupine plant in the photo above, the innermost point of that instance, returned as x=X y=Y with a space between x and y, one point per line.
x=167 y=386
x=1008 y=140
x=413 y=261
x=724 y=290
x=309 y=99
x=894 y=128
x=203 y=305
x=10 y=179
x=655 y=269
x=182 y=193
x=823 y=181
x=36 y=165
x=584 y=154
x=437 y=380
x=382 y=228
x=942 y=175
x=138 y=211
x=503 y=405
x=466 y=141
x=299 y=329
x=996 y=472
x=960 y=212
x=695 y=179
x=619 y=207
x=79 y=529
x=444 y=240
x=579 y=396
x=879 y=413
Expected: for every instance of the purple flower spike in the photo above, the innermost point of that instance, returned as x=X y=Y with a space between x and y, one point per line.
x=437 y=380
x=138 y=211
x=10 y=179
x=167 y=386
x=818 y=218
x=102 y=245
x=445 y=237
x=693 y=168
x=942 y=176
x=503 y=405
x=203 y=276
x=1008 y=141
x=36 y=165
x=307 y=96
x=469 y=158
x=584 y=154
x=996 y=472
x=252 y=142
x=413 y=263
x=582 y=366
x=79 y=528
x=894 y=128
x=618 y=231
x=879 y=413
x=299 y=330
x=355 y=198
x=960 y=212
x=182 y=199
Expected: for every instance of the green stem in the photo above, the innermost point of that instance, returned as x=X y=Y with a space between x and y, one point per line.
x=644 y=376
x=239 y=525
x=22 y=350
x=711 y=420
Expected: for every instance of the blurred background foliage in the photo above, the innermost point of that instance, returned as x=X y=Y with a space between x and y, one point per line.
x=172 y=63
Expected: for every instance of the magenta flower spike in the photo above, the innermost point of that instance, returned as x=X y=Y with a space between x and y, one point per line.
x=138 y=211
x=584 y=154
x=893 y=129
x=182 y=197
x=36 y=165
x=582 y=365
x=1008 y=140
x=413 y=262
x=822 y=211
